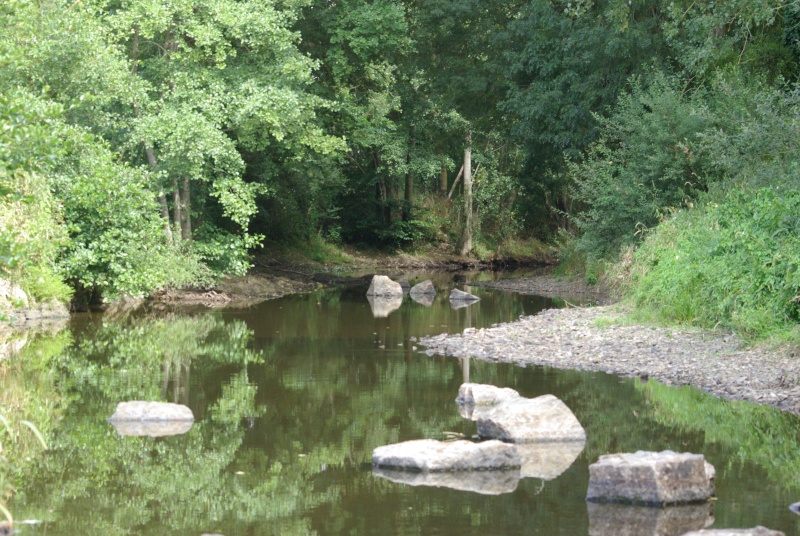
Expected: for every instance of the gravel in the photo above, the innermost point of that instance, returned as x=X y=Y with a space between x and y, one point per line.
x=596 y=339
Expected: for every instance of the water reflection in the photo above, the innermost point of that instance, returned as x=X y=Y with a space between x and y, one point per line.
x=481 y=482
x=291 y=397
x=624 y=520
x=383 y=306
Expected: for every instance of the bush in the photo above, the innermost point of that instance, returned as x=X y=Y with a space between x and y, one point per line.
x=735 y=263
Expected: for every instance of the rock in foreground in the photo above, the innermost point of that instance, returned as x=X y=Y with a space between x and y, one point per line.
x=431 y=456
x=531 y=420
x=383 y=286
x=483 y=482
x=651 y=478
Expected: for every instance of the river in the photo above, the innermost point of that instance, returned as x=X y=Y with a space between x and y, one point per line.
x=291 y=395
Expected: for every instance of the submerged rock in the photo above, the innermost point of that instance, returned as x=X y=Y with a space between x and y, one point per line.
x=530 y=420
x=429 y=455
x=154 y=419
x=383 y=306
x=757 y=531
x=484 y=482
x=383 y=286
x=629 y=520
x=425 y=288
x=652 y=478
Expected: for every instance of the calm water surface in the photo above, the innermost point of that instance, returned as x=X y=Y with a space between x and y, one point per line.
x=290 y=397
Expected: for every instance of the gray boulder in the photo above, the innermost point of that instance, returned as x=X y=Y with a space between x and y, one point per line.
x=425 y=288
x=154 y=419
x=629 y=520
x=531 y=420
x=381 y=285
x=757 y=531
x=484 y=482
x=651 y=478
x=383 y=306
x=461 y=296
x=151 y=428
x=429 y=455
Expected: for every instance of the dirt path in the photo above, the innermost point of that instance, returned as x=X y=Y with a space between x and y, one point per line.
x=595 y=338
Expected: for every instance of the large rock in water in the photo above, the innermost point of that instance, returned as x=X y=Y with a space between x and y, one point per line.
x=651 y=478
x=154 y=419
x=531 y=420
x=484 y=482
x=383 y=286
x=459 y=296
x=425 y=288
x=431 y=456
x=757 y=531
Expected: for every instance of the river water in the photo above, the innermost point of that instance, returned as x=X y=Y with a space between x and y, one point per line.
x=290 y=396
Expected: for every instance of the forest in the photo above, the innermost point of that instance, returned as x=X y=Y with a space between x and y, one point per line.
x=147 y=144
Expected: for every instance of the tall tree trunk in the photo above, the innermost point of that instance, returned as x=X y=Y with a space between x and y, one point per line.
x=409 y=193
x=162 y=197
x=177 y=206
x=466 y=248
x=186 y=223
x=442 y=175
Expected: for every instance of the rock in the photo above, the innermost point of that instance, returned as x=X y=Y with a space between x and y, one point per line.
x=429 y=455
x=151 y=411
x=383 y=286
x=152 y=428
x=628 y=520
x=651 y=478
x=476 y=399
x=484 y=482
x=530 y=420
x=383 y=306
x=547 y=461
x=757 y=531
x=459 y=295
x=425 y=288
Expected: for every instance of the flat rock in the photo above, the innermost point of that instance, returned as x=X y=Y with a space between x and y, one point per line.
x=461 y=296
x=475 y=399
x=152 y=428
x=425 y=288
x=495 y=482
x=652 y=478
x=629 y=520
x=383 y=306
x=381 y=285
x=429 y=455
x=757 y=531
x=531 y=420
x=151 y=411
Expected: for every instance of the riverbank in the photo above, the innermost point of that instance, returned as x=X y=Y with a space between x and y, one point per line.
x=598 y=339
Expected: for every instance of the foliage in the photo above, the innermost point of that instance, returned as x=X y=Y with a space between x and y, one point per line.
x=732 y=263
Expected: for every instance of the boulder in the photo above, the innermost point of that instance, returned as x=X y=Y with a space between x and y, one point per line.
x=151 y=428
x=531 y=420
x=431 y=456
x=425 y=288
x=461 y=296
x=547 y=461
x=383 y=286
x=475 y=399
x=151 y=411
x=383 y=306
x=651 y=478
x=484 y=482
x=757 y=531
x=629 y=520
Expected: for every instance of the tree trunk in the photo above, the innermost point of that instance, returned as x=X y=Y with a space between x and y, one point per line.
x=409 y=193
x=443 y=181
x=466 y=248
x=186 y=223
x=177 y=205
x=162 y=198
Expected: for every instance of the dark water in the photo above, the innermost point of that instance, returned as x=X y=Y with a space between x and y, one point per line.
x=290 y=397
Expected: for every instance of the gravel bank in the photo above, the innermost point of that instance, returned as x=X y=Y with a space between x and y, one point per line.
x=593 y=338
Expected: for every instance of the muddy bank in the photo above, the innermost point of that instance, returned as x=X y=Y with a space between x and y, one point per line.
x=594 y=338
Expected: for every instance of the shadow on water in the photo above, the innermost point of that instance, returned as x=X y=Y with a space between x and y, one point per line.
x=290 y=397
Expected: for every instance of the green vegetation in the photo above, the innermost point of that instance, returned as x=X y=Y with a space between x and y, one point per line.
x=148 y=145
